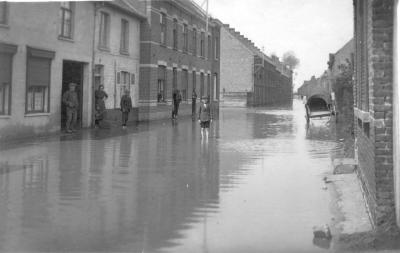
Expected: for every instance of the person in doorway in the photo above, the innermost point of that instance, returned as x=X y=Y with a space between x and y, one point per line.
x=194 y=100
x=205 y=117
x=126 y=106
x=71 y=101
x=177 y=98
x=100 y=97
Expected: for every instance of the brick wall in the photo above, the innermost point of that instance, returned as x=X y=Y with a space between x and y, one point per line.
x=375 y=152
x=236 y=64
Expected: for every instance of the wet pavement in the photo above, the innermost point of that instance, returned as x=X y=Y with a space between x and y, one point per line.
x=254 y=186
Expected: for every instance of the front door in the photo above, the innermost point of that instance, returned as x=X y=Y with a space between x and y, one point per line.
x=72 y=73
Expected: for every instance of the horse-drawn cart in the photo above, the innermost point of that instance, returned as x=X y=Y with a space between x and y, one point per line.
x=318 y=107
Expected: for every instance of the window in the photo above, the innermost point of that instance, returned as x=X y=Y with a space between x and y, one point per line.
x=104 y=30
x=163 y=24
x=98 y=75
x=185 y=38
x=201 y=85
x=6 y=56
x=66 y=15
x=3 y=13
x=209 y=47
x=38 y=80
x=194 y=41
x=185 y=84
x=216 y=95
x=124 y=49
x=175 y=34
x=216 y=48
x=5 y=83
x=202 y=44
x=208 y=85
x=174 y=78
x=161 y=84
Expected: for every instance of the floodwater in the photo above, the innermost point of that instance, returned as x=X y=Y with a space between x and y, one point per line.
x=254 y=186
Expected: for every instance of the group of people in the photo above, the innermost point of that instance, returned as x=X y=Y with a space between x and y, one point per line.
x=71 y=101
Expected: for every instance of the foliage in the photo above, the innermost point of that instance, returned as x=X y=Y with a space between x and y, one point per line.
x=290 y=59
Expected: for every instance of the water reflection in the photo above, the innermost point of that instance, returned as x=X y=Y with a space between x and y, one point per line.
x=159 y=188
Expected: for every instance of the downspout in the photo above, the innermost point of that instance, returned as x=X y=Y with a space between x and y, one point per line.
x=93 y=62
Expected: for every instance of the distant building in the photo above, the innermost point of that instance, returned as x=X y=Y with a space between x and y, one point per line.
x=248 y=74
x=377 y=114
x=179 y=51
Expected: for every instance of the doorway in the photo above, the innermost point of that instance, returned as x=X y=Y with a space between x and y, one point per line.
x=72 y=73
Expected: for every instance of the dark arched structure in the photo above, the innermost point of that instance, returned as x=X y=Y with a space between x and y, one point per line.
x=318 y=106
x=318 y=103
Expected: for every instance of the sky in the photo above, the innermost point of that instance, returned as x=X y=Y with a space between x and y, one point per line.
x=310 y=28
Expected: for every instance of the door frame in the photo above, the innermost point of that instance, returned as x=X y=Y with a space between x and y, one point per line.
x=81 y=91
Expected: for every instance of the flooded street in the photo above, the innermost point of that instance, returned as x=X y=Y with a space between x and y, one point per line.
x=254 y=186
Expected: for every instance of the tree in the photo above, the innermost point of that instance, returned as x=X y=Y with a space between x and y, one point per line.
x=289 y=59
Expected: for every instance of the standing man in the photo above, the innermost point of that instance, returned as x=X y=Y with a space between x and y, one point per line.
x=100 y=106
x=194 y=100
x=70 y=99
x=126 y=106
x=177 y=98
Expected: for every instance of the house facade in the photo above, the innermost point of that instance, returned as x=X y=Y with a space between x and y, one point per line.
x=179 y=51
x=117 y=54
x=40 y=54
x=88 y=43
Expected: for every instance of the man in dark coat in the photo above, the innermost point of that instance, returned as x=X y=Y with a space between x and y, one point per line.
x=71 y=101
x=126 y=106
x=100 y=95
x=177 y=98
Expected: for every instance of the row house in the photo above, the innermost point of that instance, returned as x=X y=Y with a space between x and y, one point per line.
x=376 y=112
x=179 y=51
x=248 y=74
x=88 y=43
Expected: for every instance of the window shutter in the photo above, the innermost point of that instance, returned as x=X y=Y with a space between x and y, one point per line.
x=38 y=71
x=132 y=79
x=118 y=77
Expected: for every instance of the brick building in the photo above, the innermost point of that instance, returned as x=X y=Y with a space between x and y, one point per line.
x=273 y=84
x=375 y=107
x=179 y=50
x=249 y=74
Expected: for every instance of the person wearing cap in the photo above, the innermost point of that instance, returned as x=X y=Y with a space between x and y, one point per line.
x=126 y=106
x=100 y=96
x=71 y=101
x=205 y=116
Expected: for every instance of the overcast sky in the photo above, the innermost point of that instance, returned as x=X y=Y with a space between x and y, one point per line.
x=310 y=28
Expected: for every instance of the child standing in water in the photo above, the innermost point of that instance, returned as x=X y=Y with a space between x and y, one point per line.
x=205 y=117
